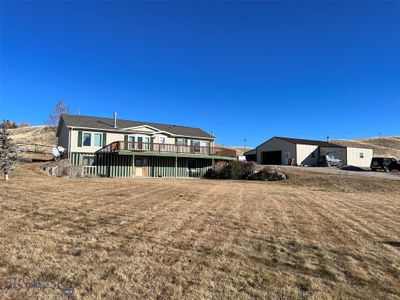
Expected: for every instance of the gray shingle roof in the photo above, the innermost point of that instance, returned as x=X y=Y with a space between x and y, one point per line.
x=308 y=142
x=107 y=124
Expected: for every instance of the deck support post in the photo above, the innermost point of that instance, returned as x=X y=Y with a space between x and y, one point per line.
x=133 y=165
x=176 y=166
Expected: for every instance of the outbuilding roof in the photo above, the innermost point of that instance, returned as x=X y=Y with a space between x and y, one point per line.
x=108 y=124
x=251 y=152
x=308 y=142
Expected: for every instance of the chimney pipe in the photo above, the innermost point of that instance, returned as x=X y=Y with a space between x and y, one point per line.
x=115 y=120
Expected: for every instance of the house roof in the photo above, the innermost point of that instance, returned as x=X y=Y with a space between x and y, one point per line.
x=108 y=124
x=308 y=142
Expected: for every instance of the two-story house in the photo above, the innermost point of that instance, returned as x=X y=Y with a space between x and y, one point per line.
x=121 y=148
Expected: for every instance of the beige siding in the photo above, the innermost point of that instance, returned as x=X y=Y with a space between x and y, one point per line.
x=111 y=137
x=354 y=159
x=307 y=154
x=114 y=137
x=275 y=144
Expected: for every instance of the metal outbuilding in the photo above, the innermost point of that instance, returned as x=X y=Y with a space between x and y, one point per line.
x=287 y=151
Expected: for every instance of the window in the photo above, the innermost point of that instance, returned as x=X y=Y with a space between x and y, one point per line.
x=138 y=162
x=87 y=137
x=162 y=144
x=181 y=141
x=88 y=160
x=98 y=140
x=146 y=141
x=191 y=164
x=196 y=146
x=313 y=154
x=361 y=154
x=131 y=142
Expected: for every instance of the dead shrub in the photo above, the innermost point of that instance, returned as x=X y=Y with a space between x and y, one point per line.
x=268 y=173
x=231 y=170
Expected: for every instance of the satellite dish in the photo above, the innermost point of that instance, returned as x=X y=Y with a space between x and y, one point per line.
x=56 y=153
x=60 y=149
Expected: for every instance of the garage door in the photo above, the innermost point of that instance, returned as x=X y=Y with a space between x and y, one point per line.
x=271 y=158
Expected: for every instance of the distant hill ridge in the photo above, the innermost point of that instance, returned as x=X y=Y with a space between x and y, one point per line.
x=382 y=146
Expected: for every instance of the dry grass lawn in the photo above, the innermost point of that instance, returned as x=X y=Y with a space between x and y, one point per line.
x=167 y=238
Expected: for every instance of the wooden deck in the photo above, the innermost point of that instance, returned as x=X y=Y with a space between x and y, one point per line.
x=167 y=148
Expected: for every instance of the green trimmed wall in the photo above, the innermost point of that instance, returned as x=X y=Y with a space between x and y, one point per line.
x=165 y=167
x=114 y=165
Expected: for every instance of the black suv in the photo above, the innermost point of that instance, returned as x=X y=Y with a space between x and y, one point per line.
x=384 y=163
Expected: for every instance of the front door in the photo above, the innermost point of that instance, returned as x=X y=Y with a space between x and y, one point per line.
x=141 y=167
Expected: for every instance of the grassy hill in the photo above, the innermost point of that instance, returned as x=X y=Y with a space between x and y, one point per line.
x=382 y=146
x=43 y=135
x=239 y=149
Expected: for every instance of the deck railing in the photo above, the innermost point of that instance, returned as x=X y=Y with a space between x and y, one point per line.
x=168 y=148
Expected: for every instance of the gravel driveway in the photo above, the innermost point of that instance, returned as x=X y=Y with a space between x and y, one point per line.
x=333 y=170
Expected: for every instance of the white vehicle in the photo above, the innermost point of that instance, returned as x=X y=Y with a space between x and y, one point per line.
x=329 y=160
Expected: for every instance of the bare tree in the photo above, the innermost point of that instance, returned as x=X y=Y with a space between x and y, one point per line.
x=8 y=152
x=60 y=108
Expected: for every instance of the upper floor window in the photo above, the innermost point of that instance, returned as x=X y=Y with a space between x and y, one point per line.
x=196 y=146
x=361 y=154
x=87 y=139
x=98 y=140
x=181 y=141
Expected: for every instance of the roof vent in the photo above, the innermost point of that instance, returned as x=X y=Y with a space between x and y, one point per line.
x=115 y=120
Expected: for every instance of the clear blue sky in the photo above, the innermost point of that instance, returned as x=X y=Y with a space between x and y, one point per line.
x=241 y=69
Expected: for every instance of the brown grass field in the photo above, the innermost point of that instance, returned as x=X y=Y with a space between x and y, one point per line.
x=167 y=238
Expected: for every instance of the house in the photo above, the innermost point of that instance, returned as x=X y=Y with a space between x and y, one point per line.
x=121 y=148
x=286 y=151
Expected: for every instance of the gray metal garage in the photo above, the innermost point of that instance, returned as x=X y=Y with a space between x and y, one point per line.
x=286 y=151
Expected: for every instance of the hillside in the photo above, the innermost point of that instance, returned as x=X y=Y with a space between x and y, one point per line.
x=239 y=149
x=43 y=135
x=383 y=146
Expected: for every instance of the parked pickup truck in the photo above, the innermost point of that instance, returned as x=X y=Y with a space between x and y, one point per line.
x=328 y=161
x=386 y=164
